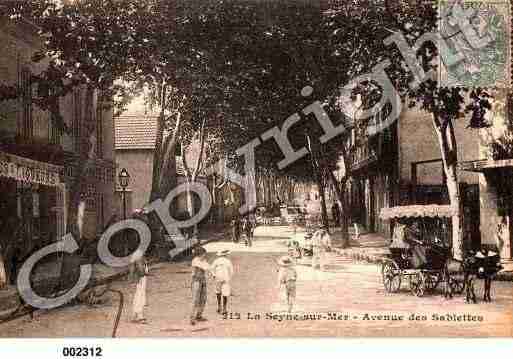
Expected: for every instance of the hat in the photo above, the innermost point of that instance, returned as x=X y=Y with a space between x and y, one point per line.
x=285 y=261
x=224 y=252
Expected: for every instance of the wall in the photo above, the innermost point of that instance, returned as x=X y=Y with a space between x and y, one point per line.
x=418 y=142
x=107 y=189
x=139 y=164
x=495 y=226
x=19 y=43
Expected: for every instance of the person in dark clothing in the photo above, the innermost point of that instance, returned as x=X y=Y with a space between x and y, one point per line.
x=247 y=228
x=335 y=210
x=200 y=269
x=235 y=225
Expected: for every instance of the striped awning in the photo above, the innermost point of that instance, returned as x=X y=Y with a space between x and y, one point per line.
x=28 y=170
x=417 y=211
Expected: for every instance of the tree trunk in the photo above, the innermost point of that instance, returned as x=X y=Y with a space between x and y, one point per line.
x=447 y=141
x=344 y=215
x=193 y=176
x=322 y=194
x=76 y=206
x=159 y=149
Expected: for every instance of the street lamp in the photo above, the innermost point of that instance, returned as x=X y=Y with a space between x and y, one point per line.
x=124 y=180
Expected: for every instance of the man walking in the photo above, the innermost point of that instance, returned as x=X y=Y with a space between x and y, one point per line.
x=200 y=267
x=222 y=268
x=335 y=210
x=235 y=224
x=247 y=228
x=321 y=242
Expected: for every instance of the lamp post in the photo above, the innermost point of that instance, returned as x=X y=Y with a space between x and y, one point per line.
x=124 y=180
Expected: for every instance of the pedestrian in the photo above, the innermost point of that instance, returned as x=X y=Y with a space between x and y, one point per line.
x=140 y=270
x=222 y=269
x=321 y=244
x=235 y=224
x=247 y=228
x=287 y=277
x=200 y=268
x=335 y=210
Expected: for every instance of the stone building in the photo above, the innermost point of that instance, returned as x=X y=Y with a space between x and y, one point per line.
x=38 y=160
x=494 y=166
x=402 y=165
x=135 y=147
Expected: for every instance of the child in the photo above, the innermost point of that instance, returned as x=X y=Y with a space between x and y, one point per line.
x=287 y=276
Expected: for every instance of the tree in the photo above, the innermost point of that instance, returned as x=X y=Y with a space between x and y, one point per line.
x=88 y=45
x=86 y=49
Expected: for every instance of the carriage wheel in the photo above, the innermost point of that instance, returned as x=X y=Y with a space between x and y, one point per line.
x=418 y=284
x=391 y=276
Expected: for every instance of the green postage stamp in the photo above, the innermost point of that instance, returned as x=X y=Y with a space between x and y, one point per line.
x=481 y=37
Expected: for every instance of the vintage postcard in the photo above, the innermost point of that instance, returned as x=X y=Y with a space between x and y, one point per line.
x=255 y=168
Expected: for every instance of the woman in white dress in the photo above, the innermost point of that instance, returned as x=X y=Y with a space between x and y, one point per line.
x=140 y=270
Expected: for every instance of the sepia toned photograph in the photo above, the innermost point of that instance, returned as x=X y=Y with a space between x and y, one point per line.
x=255 y=168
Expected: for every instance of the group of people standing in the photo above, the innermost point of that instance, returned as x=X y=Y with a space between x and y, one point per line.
x=243 y=227
x=221 y=270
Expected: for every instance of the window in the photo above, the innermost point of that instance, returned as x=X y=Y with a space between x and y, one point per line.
x=99 y=130
x=26 y=103
x=8 y=110
x=54 y=131
x=178 y=149
x=77 y=107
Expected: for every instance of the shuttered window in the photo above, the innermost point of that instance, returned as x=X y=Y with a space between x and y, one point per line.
x=26 y=103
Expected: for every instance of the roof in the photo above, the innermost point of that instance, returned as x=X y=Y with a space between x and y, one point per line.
x=135 y=132
x=138 y=132
x=416 y=211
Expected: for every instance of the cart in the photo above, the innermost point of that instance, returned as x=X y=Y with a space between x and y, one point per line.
x=419 y=249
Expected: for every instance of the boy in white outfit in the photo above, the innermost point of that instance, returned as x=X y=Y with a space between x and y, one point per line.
x=321 y=242
x=222 y=269
x=287 y=276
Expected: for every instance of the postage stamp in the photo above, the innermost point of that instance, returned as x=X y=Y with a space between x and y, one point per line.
x=486 y=60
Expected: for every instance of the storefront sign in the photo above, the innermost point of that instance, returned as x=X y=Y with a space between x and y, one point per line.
x=27 y=170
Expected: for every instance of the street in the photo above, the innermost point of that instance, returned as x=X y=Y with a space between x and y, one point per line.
x=346 y=301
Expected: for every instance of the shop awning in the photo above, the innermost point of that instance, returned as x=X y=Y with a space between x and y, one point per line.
x=29 y=171
x=485 y=165
x=417 y=211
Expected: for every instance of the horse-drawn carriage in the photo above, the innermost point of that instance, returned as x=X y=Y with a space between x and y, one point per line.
x=419 y=249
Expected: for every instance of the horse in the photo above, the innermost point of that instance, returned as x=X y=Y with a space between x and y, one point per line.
x=484 y=265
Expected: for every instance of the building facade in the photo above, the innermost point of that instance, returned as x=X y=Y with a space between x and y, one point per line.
x=135 y=147
x=402 y=165
x=39 y=160
x=494 y=166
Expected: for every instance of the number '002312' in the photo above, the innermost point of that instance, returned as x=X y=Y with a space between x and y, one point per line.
x=75 y=352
